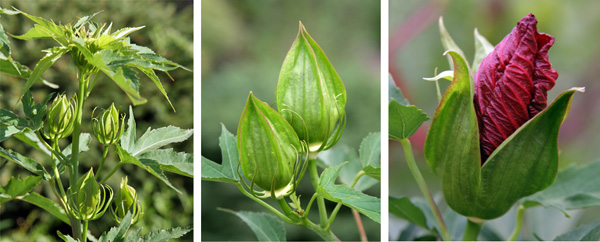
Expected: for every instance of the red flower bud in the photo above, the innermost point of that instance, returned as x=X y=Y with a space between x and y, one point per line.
x=511 y=84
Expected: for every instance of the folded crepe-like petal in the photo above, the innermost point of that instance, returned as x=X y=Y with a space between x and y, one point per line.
x=511 y=83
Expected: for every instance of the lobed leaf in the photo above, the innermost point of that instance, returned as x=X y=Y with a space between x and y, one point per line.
x=25 y=162
x=180 y=163
x=51 y=57
x=265 y=226
x=151 y=166
x=17 y=187
x=369 y=154
x=11 y=124
x=116 y=234
x=395 y=92
x=165 y=234
x=405 y=209
x=46 y=204
x=341 y=153
x=588 y=232
x=404 y=120
x=154 y=139
x=365 y=204
x=574 y=188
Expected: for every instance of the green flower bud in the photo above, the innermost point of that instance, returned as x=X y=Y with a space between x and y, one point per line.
x=106 y=126
x=88 y=199
x=59 y=122
x=126 y=200
x=310 y=94
x=268 y=149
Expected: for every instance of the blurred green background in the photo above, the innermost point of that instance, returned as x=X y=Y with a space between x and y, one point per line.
x=243 y=47
x=416 y=50
x=168 y=32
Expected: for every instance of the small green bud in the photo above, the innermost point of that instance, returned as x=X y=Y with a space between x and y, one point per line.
x=106 y=127
x=126 y=200
x=268 y=149
x=60 y=119
x=88 y=199
x=310 y=94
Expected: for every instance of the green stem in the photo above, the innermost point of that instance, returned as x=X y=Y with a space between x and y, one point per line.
x=515 y=232
x=104 y=154
x=312 y=199
x=412 y=165
x=314 y=178
x=85 y=227
x=325 y=234
x=74 y=167
x=266 y=205
x=58 y=155
x=339 y=205
x=112 y=172
x=472 y=230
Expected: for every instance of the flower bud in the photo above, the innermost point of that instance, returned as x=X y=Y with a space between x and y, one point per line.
x=126 y=200
x=106 y=127
x=88 y=199
x=511 y=83
x=59 y=122
x=268 y=149
x=310 y=94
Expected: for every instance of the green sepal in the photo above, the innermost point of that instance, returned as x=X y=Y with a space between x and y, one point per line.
x=310 y=94
x=525 y=163
x=268 y=148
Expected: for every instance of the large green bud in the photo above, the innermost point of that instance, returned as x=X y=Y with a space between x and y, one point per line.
x=88 y=200
x=126 y=200
x=106 y=126
x=268 y=149
x=310 y=94
x=59 y=122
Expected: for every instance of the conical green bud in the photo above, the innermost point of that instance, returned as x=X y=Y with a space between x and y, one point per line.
x=106 y=127
x=310 y=94
x=126 y=200
x=88 y=200
x=59 y=122
x=268 y=149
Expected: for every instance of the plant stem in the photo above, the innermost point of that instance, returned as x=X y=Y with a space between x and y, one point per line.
x=104 y=154
x=517 y=229
x=325 y=234
x=412 y=165
x=339 y=205
x=266 y=205
x=112 y=172
x=85 y=227
x=314 y=178
x=361 y=228
x=472 y=230
x=74 y=167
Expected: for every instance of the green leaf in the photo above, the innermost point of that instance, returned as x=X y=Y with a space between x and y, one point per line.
x=574 y=188
x=66 y=238
x=405 y=209
x=50 y=28
x=395 y=92
x=153 y=139
x=84 y=20
x=25 y=162
x=35 y=111
x=18 y=187
x=150 y=74
x=11 y=124
x=535 y=145
x=589 y=232
x=128 y=137
x=265 y=226
x=84 y=144
x=452 y=143
x=227 y=171
x=404 y=120
x=51 y=57
x=4 y=43
x=482 y=49
x=149 y=165
x=365 y=204
x=165 y=234
x=177 y=162
x=341 y=153
x=369 y=153
x=46 y=204
x=448 y=43
x=117 y=234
